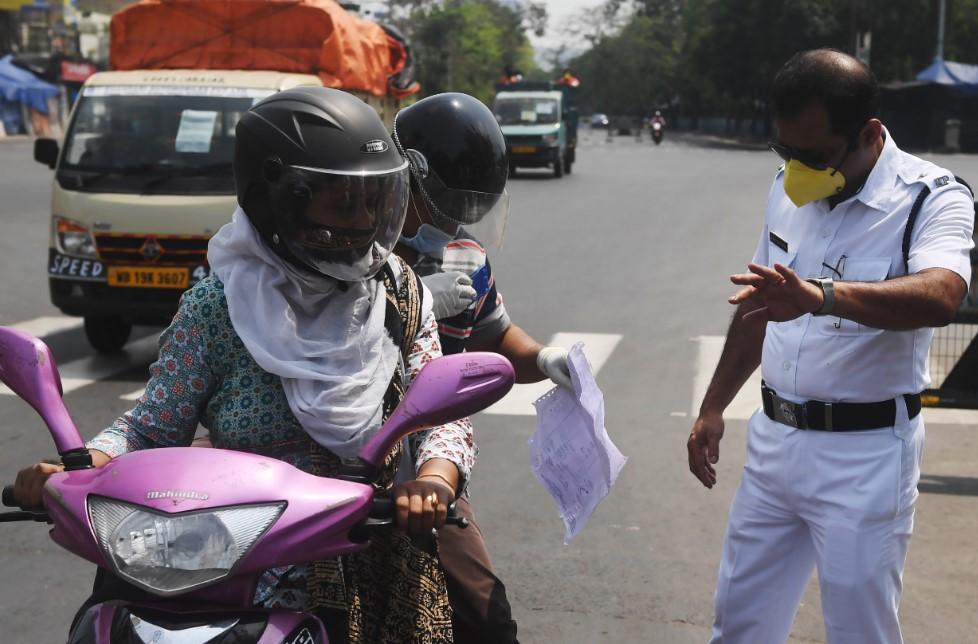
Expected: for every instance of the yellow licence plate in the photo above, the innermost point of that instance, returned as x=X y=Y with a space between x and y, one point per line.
x=524 y=149
x=134 y=277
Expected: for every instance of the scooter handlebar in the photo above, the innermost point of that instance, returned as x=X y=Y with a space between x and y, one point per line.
x=384 y=509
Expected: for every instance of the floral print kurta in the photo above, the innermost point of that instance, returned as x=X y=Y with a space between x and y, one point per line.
x=204 y=374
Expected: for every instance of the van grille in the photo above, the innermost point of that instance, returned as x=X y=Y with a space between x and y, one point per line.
x=152 y=249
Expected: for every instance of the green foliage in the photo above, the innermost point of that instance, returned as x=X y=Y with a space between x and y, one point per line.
x=720 y=56
x=464 y=45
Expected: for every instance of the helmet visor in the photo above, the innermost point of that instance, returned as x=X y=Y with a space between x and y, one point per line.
x=483 y=214
x=340 y=224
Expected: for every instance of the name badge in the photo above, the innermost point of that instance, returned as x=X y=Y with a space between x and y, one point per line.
x=777 y=241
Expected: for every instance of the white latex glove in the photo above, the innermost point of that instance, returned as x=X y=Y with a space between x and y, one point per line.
x=452 y=293
x=552 y=361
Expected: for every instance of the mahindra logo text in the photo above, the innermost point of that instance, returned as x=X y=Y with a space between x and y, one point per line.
x=177 y=494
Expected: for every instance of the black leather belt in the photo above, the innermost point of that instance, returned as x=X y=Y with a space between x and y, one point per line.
x=835 y=417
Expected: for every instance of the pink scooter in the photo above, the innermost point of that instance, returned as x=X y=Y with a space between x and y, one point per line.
x=196 y=528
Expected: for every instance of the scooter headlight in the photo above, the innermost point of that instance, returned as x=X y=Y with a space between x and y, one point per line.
x=169 y=554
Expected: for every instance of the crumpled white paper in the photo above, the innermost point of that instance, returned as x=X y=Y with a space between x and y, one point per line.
x=571 y=453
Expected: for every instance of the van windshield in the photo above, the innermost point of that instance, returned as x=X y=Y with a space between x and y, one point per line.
x=527 y=111
x=154 y=140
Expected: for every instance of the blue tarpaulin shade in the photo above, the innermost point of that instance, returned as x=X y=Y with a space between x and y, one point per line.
x=20 y=86
x=945 y=72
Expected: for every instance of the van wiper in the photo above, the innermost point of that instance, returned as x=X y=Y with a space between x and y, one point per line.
x=97 y=175
x=186 y=171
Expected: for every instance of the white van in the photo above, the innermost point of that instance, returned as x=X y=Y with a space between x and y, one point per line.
x=141 y=183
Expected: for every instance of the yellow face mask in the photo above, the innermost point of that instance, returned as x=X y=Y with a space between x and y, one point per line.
x=804 y=185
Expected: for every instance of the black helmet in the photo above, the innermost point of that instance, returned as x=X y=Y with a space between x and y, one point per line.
x=320 y=179
x=458 y=157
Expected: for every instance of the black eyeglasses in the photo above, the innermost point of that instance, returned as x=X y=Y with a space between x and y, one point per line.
x=838 y=270
x=811 y=158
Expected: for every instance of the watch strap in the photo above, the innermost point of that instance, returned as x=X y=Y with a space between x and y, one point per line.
x=828 y=294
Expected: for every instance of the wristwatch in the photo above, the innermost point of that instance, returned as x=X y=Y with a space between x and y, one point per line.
x=828 y=294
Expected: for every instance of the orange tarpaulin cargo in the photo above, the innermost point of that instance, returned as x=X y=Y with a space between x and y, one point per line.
x=301 y=36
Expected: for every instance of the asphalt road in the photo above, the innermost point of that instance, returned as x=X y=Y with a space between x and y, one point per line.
x=638 y=242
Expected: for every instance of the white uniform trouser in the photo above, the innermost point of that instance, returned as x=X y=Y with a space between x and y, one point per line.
x=841 y=503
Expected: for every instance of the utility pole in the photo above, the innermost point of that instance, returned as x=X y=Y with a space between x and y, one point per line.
x=940 y=30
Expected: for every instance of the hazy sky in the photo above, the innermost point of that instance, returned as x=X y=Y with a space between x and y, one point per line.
x=559 y=10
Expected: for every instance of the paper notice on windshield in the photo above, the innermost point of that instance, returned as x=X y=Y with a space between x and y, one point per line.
x=528 y=116
x=196 y=131
x=546 y=108
x=571 y=453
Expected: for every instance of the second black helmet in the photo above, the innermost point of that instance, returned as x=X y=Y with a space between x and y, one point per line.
x=457 y=154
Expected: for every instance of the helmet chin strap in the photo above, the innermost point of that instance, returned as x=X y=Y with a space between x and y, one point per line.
x=416 y=212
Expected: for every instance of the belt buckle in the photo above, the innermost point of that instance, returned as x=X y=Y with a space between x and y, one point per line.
x=787 y=413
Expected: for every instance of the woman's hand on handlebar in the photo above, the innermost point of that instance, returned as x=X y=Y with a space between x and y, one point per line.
x=422 y=504
x=30 y=481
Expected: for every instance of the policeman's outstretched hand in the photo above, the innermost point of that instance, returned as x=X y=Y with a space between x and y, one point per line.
x=552 y=362
x=451 y=292
x=704 y=448
x=779 y=293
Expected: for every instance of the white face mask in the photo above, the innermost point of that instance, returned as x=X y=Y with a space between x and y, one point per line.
x=429 y=239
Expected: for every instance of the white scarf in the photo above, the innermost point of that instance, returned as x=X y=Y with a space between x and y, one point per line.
x=329 y=346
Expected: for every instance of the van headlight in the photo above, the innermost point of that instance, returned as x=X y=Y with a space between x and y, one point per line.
x=74 y=238
x=169 y=554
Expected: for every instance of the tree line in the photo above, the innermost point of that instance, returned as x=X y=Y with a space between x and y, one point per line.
x=464 y=45
x=692 y=57
x=718 y=57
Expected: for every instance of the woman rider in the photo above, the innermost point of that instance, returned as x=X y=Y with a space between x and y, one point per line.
x=301 y=343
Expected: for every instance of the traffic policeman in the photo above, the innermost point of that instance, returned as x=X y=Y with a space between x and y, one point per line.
x=838 y=307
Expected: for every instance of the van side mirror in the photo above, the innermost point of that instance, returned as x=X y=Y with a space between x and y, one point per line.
x=46 y=152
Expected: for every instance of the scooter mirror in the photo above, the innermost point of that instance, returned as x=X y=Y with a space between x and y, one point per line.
x=27 y=367
x=446 y=389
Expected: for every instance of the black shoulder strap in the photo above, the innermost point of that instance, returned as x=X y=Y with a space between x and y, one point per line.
x=912 y=219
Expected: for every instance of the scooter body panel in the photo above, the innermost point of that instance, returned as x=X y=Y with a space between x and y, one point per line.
x=117 y=622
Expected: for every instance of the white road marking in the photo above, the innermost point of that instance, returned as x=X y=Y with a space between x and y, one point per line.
x=598 y=348
x=748 y=399
x=84 y=371
x=48 y=325
x=133 y=395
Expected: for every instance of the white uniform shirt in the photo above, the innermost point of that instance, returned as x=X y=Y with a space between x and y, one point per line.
x=836 y=360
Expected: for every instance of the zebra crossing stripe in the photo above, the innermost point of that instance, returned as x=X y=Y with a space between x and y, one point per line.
x=519 y=402
x=85 y=371
x=48 y=325
x=133 y=395
x=748 y=399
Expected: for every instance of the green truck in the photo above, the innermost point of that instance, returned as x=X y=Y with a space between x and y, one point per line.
x=539 y=121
